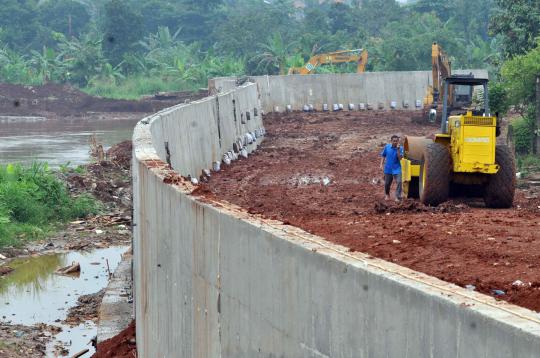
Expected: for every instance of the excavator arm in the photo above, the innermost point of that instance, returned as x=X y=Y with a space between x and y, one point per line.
x=359 y=56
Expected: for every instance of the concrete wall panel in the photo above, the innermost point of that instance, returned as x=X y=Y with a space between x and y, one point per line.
x=213 y=281
x=368 y=87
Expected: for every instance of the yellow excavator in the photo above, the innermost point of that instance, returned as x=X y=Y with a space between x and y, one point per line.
x=459 y=96
x=441 y=67
x=464 y=157
x=359 y=56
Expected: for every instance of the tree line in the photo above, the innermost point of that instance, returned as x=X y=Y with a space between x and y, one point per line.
x=125 y=48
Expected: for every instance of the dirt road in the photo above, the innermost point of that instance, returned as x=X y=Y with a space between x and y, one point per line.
x=320 y=172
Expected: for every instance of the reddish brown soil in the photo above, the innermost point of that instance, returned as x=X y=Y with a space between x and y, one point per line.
x=55 y=101
x=460 y=241
x=121 y=346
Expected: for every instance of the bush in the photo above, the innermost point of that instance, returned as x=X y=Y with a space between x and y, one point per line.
x=33 y=201
x=524 y=132
x=135 y=87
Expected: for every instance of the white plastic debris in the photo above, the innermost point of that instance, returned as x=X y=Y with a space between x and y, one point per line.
x=306 y=108
x=393 y=104
x=362 y=106
x=311 y=107
x=325 y=107
x=396 y=242
x=335 y=107
x=226 y=159
x=340 y=106
x=244 y=153
x=418 y=103
x=289 y=108
x=206 y=172
x=326 y=181
x=216 y=166
x=99 y=232
x=518 y=283
x=194 y=181
x=351 y=106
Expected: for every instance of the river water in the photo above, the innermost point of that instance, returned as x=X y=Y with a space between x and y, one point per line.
x=33 y=293
x=59 y=142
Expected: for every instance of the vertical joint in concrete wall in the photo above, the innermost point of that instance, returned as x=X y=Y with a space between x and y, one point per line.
x=234 y=110
x=218 y=117
x=168 y=154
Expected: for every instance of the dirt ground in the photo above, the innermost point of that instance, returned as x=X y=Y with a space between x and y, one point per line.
x=55 y=101
x=18 y=341
x=122 y=345
x=320 y=172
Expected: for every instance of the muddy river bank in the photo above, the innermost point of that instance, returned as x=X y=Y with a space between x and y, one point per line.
x=44 y=313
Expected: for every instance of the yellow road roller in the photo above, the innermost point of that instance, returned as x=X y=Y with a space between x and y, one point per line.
x=464 y=157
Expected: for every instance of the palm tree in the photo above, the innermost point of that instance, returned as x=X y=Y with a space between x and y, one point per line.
x=275 y=53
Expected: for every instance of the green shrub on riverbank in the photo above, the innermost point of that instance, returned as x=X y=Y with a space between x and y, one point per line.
x=136 y=87
x=33 y=201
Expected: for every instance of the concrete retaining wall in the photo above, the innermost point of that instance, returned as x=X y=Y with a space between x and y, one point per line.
x=200 y=133
x=404 y=88
x=214 y=281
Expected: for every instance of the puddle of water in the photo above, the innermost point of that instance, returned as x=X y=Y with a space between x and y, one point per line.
x=33 y=293
x=59 y=142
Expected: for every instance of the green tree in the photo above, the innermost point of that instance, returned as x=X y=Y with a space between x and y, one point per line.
x=518 y=22
x=121 y=30
x=519 y=80
x=274 y=55
x=82 y=58
x=65 y=16
x=406 y=45
x=246 y=24
x=519 y=77
x=19 y=23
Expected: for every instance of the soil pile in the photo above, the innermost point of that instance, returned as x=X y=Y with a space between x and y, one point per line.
x=120 y=154
x=320 y=172
x=54 y=100
x=121 y=346
x=108 y=180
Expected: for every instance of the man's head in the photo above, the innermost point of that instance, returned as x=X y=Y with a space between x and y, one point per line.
x=394 y=140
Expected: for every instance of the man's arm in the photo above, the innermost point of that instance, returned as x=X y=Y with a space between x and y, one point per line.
x=399 y=152
x=383 y=157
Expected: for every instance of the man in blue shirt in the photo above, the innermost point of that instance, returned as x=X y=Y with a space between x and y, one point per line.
x=390 y=163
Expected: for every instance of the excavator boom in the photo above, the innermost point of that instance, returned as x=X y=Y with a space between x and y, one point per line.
x=346 y=56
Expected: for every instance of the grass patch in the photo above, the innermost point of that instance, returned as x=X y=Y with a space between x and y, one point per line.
x=136 y=87
x=34 y=202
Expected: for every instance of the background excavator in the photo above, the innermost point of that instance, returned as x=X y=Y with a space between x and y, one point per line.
x=459 y=96
x=359 y=56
